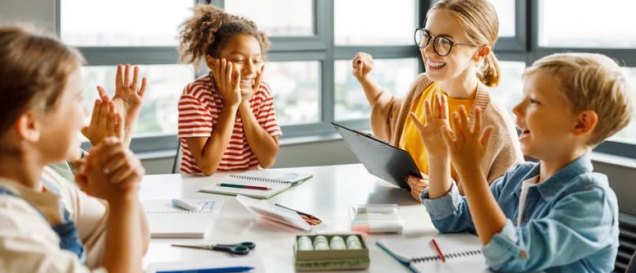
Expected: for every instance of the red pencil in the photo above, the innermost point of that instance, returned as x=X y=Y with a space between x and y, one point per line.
x=438 y=250
x=244 y=186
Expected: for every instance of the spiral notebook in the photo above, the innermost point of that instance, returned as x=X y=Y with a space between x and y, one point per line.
x=166 y=221
x=271 y=182
x=462 y=253
x=275 y=176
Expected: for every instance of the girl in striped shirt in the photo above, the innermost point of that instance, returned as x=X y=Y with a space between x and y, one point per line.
x=226 y=118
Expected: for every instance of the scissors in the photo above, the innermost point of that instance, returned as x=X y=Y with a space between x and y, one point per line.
x=242 y=248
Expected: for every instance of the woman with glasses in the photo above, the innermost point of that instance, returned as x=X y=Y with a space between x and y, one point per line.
x=456 y=46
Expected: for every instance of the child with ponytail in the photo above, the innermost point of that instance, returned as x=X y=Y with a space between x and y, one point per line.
x=456 y=46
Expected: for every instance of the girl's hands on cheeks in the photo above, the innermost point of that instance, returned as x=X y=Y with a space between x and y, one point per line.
x=256 y=85
x=435 y=120
x=466 y=144
x=362 y=64
x=227 y=81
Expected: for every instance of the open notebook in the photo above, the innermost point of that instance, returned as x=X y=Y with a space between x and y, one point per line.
x=462 y=252
x=166 y=221
x=271 y=181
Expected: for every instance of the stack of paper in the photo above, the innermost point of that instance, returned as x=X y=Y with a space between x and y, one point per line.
x=166 y=221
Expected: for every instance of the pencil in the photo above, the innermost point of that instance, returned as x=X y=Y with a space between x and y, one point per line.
x=438 y=250
x=312 y=220
x=244 y=186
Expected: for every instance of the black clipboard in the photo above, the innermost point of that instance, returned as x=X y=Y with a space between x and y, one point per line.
x=381 y=159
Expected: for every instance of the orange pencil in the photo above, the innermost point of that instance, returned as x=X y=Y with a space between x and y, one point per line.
x=438 y=250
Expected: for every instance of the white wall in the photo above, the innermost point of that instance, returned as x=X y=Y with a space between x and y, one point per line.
x=38 y=12
x=292 y=155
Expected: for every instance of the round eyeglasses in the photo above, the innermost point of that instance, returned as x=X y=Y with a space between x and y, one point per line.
x=441 y=45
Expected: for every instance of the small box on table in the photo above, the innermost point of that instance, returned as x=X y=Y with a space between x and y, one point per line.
x=324 y=252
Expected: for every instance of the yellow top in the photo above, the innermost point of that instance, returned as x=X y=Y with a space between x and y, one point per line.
x=411 y=140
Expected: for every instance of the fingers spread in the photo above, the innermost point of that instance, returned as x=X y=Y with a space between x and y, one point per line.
x=135 y=80
x=485 y=136
x=144 y=83
x=119 y=77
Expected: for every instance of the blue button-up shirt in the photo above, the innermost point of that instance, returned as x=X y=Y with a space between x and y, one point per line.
x=570 y=221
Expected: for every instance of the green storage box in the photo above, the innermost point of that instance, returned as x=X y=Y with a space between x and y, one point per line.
x=332 y=259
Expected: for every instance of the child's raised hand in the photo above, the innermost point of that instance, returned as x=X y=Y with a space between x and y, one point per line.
x=227 y=80
x=466 y=145
x=362 y=64
x=436 y=118
x=105 y=121
x=129 y=91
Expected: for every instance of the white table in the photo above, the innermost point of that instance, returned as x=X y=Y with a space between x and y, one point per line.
x=330 y=194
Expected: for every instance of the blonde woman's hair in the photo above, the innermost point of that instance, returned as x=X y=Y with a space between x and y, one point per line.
x=210 y=29
x=591 y=81
x=481 y=24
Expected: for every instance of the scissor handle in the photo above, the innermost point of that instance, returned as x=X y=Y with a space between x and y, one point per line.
x=236 y=249
x=249 y=245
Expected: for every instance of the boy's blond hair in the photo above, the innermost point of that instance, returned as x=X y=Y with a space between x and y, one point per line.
x=594 y=82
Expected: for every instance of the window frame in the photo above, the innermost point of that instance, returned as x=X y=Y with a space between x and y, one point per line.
x=524 y=47
x=627 y=57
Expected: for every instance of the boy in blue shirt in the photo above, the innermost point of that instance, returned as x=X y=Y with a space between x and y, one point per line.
x=555 y=215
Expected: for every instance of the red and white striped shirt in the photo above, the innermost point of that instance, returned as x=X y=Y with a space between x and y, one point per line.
x=199 y=109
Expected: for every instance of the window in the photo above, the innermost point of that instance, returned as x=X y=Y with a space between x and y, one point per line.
x=122 y=22
x=309 y=67
x=593 y=25
x=135 y=32
x=165 y=84
x=394 y=75
x=506 y=13
x=365 y=22
x=267 y=15
x=296 y=90
x=628 y=134
x=509 y=92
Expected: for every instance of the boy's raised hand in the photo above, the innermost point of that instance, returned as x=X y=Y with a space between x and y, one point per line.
x=436 y=119
x=466 y=144
x=362 y=64
x=227 y=80
x=105 y=120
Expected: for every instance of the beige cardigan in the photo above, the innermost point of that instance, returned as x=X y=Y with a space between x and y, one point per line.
x=389 y=113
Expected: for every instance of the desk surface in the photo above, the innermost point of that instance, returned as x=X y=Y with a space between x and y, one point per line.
x=330 y=194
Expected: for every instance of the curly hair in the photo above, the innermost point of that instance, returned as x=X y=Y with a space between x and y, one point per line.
x=209 y=30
